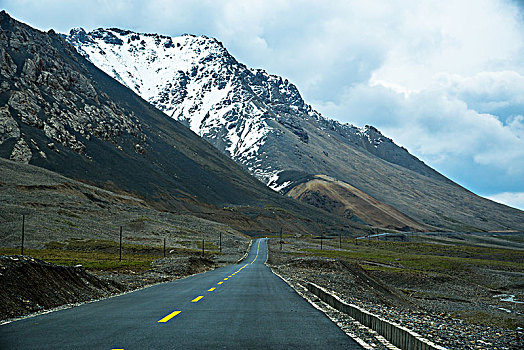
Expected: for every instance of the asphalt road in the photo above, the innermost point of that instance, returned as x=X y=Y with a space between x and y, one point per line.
x=238 y=306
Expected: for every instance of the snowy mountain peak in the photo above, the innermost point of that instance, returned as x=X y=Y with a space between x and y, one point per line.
x=258 y=119
x=195 y=80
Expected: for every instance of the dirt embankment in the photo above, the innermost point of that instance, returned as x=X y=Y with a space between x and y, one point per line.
x=29 y=285
x=336 y=274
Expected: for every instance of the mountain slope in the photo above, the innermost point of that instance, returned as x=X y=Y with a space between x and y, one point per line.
x=75 y=119
x=58 y=111
x=58 y=208
x=262 y=123
x=340 y=198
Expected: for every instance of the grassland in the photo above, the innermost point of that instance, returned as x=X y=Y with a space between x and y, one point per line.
x=422 y=257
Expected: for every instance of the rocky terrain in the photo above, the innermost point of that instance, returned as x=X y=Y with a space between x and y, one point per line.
x=262 y=122
x=450 y=309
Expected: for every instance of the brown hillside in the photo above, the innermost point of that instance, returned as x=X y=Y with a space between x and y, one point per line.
x=340 y=198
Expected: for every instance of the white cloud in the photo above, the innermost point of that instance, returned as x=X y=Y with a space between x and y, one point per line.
x=442 y=130
x=513 y=199
x=462 y=37
x=499 y=93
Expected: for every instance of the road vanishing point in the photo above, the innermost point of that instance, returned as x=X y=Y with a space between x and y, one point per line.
x=243 y=306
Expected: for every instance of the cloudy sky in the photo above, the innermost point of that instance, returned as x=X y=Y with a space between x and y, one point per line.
x=443 y=78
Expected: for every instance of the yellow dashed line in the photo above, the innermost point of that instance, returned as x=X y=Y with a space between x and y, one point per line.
x=168 y=317
x=174 y=313
x=258 y=247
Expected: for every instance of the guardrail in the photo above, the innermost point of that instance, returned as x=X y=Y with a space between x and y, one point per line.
x=397 y=335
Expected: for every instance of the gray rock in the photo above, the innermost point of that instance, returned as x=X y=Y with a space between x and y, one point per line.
x=21 y=152
x=8 y=126
x=7 y=65
x=30 y=70
x=4 y=86
x=24 y=102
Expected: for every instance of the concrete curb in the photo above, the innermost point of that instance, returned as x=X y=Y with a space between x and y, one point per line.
x=397 y=335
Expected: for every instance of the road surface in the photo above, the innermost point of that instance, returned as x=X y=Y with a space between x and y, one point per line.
x=237 y=306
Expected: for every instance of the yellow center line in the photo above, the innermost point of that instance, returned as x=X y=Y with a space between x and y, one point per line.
x=168 y=317
x=230 y=276
x=197 y=298
x=220 y=282
x=258 y=247
x=211 y=289
x=225 y=279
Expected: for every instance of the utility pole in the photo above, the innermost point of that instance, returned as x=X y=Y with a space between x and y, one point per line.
x=120 y=259
x=164 y=247
x=23 y=234
x=321 y=238
x=340 y=240
x=280 y=237
x=220 y=242
x=202 y=247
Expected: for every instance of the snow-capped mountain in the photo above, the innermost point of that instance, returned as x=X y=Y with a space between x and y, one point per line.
x=261 y=121
x=196 y=81
x=192 y=79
